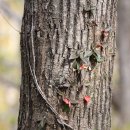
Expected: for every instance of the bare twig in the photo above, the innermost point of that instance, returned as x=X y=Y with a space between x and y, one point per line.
x=7 y=11
x=9 y=23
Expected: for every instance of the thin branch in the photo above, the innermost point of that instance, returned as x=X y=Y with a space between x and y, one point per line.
x=7 y=11
x=9 y=23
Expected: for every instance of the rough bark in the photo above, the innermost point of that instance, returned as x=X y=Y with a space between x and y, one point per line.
x=124 y=58
x=59 y=27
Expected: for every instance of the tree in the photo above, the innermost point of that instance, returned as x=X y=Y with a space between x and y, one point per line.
x=67 y=56
x=124 y=59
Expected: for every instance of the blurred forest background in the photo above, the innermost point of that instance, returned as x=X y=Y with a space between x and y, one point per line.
x=11 y=12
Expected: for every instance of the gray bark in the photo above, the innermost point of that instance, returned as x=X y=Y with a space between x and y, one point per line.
x=59 y=27
x=124 y=58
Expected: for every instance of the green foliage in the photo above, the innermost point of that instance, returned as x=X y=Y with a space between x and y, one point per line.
x=76 y=64
x=66 y=108
x=87 y=57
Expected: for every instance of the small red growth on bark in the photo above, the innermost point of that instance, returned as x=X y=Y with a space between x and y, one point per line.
x=105 y=33
x=99 y=46
x=87 y=99
x=67 y=102
x=83 y=67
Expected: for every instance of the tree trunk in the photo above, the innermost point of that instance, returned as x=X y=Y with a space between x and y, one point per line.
x=59 y=38
x=124 y=58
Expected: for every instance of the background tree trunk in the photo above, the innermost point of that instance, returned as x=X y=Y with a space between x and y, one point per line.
x=124 y=58
x=56 y=28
